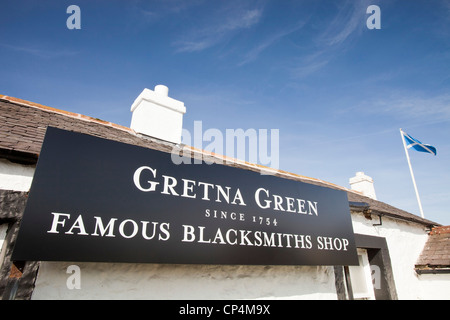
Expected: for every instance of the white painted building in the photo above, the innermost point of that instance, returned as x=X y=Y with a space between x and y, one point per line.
x=390 y=241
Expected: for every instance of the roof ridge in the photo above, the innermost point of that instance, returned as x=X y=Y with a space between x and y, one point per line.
x=117 y=126
x=440 y=230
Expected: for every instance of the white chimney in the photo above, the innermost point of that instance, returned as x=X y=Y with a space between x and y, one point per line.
x=157 y=115
x=363 y=184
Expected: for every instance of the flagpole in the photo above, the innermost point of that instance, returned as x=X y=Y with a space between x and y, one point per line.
x=412 y=174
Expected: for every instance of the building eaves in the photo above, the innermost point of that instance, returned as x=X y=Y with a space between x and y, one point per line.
x=376 y=210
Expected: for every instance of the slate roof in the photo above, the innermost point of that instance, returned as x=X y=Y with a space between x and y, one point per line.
x=23 y=125
x=436 y=253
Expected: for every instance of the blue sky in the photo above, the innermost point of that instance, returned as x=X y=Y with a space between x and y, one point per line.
x=337 y=91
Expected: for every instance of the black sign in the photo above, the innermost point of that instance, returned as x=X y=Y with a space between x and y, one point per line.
x=103 y=201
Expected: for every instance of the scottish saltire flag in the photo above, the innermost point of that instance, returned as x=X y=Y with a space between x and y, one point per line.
x=417 y=145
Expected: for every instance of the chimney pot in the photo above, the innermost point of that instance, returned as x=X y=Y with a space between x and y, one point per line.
x=364 y=184
x=162 y=90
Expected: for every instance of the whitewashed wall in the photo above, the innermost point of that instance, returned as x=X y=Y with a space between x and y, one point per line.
x=15 y=176
x=434 y=286
x=158 y=281
x=405 y=241
x=3 y=229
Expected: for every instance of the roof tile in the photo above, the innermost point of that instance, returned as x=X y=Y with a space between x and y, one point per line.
x=436 y=252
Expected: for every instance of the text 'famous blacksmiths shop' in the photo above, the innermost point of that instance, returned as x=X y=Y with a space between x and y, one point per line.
x=94 y=210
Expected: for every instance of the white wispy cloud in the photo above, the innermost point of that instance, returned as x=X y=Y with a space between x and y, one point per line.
x=349 y=21
x=335 y=35
x=143 y=14
x=268 y=42
x=308 y=64
x=40 y=52
x=154 y=11
x=219 y=26
x=412 y=105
